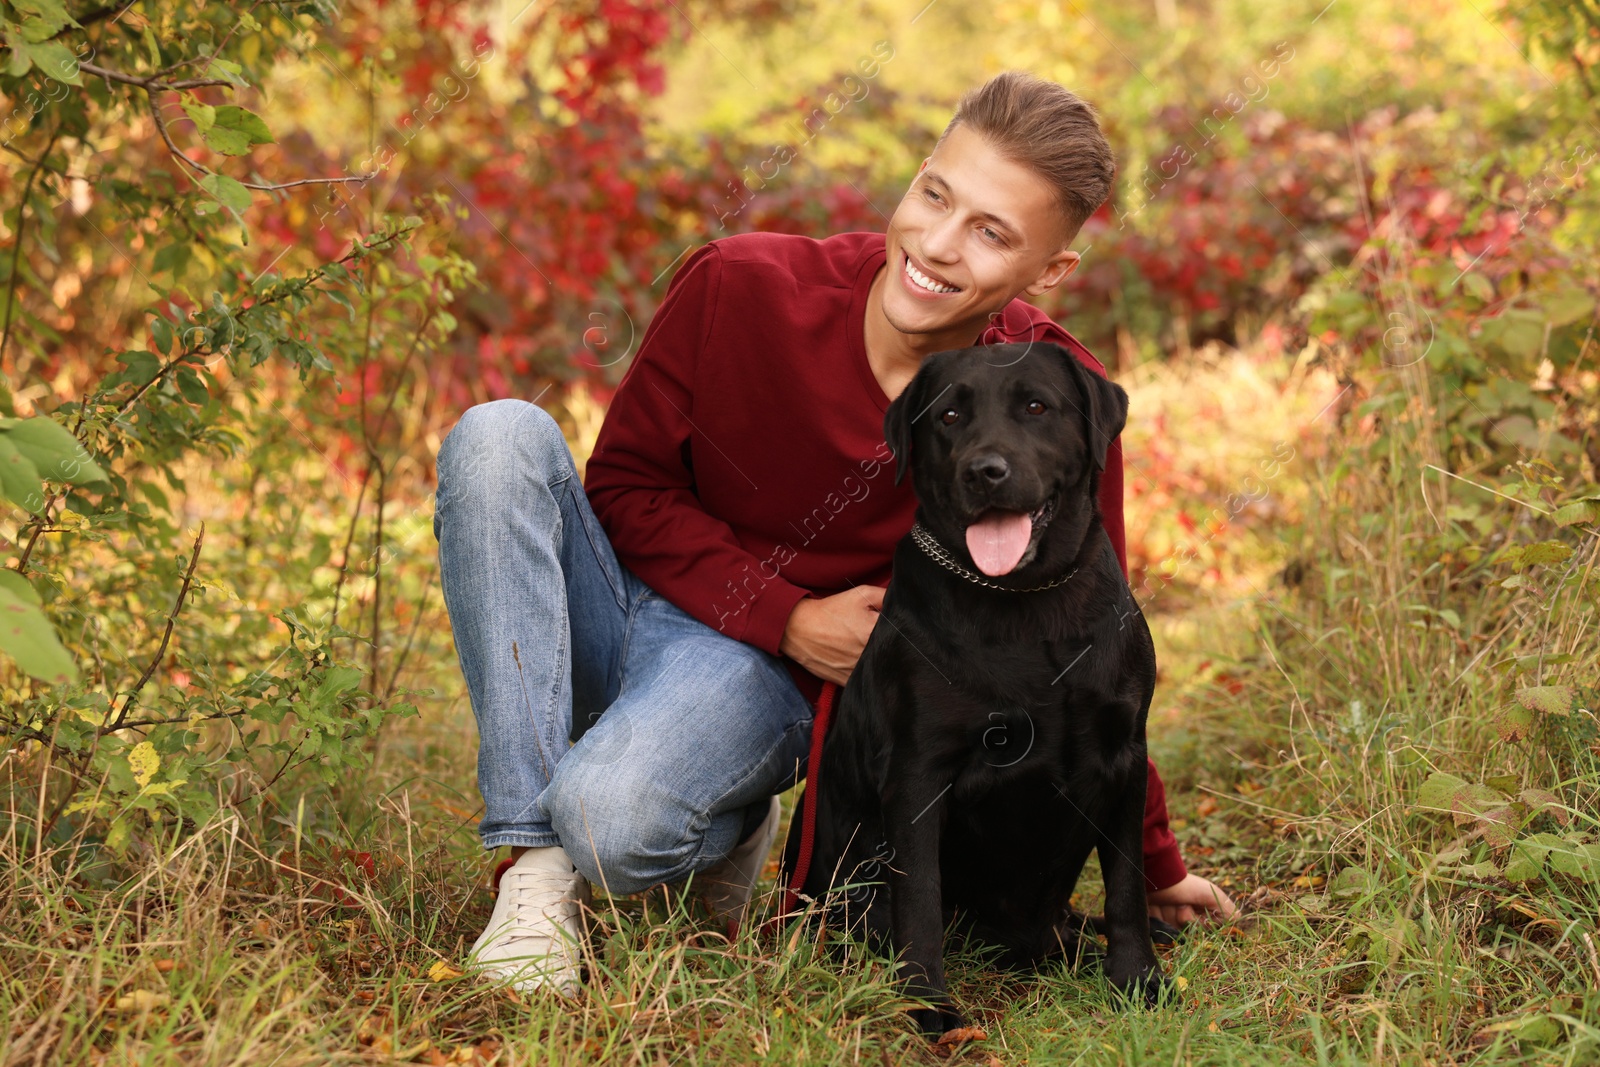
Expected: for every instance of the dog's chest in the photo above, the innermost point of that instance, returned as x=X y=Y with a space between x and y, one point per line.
x=991 y=743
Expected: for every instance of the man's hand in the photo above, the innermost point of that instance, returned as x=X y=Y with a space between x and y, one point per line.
x=1182 y=903
x=825 y=635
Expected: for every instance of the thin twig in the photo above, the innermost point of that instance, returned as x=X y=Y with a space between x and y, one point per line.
x=16 y=242
x=166 y=636
x=141 y=723
x=40 y=524
x=148 y=83
x=349 y=539
x=161 y=128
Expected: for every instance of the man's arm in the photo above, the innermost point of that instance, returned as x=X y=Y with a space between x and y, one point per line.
x=641 y=486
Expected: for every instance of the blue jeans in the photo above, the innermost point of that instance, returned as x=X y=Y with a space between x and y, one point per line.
x=684 y=732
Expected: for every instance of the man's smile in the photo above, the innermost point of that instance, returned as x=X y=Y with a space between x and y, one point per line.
x=921 y=282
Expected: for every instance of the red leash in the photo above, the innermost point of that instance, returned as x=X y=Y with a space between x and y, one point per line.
x=808 y=819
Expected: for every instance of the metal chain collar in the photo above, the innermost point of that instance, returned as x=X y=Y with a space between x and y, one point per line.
x=940 y=555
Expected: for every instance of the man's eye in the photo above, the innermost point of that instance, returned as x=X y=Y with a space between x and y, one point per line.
x=1037 y=407
x=930 y=194
x=950 y=415
x=991 y=235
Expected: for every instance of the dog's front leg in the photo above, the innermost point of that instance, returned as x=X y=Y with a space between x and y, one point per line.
x=1130 y=963
x=913 y=810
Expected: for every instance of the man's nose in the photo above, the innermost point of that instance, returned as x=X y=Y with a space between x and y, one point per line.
x=939 y=239
x=986 y=470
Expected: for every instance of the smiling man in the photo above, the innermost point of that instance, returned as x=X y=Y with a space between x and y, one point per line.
x=675 y=617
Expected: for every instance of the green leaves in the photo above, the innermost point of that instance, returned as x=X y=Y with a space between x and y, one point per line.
x=1548 y=699
x=1542 y=554
x=228 y=129
x=33 y=451
x=40 y=449
x=236 y=129
x=26 y=634
x=1584 y=509
x=30 y=43
x=19 y=478
x=1496 y=808
x=229 y=193
x=52 y=57
x=43 y=19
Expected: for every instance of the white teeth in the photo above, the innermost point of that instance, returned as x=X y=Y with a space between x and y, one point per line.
x=927 y=282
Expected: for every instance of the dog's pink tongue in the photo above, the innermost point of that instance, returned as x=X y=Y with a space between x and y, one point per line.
x=998 y=539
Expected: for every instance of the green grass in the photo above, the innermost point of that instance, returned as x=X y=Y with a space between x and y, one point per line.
x=1297 y=717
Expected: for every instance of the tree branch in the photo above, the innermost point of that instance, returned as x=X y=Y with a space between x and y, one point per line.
x=148 y=83
x=16 y=243
x=161 y=127
x=172 y=618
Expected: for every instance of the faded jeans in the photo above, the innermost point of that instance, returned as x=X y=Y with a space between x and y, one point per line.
x=689 y=731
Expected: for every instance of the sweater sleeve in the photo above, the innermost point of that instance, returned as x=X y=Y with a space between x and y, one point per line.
x=640 y=479
x=1163 y=863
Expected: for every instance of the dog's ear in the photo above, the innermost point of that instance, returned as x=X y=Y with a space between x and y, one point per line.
x=1105 y=407
x=897 y=421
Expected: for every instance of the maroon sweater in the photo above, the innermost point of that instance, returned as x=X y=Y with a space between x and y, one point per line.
x=742 y=466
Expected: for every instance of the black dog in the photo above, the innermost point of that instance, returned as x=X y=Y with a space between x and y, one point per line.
x=993 y=732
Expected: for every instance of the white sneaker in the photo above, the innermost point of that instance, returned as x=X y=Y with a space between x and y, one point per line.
x=535 y=932
x=726 y=886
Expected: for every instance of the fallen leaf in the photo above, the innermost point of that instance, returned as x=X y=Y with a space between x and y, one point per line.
x=963 y=1033
x=1181 y=982
x=142 y=1000
x=443 y=972
x=166 y=966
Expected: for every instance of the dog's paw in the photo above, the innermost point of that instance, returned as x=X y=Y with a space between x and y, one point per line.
x=937 y=1021
x=1146 y=987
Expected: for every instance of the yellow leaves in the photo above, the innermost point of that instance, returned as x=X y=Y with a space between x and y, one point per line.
x=1181 y=982
x=141 y=1000
x=144 y=761
x=441 y=971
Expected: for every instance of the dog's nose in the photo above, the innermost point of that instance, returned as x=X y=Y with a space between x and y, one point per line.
x=988 y=469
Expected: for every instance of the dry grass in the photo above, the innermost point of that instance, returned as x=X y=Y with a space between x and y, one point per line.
x=1294 y=724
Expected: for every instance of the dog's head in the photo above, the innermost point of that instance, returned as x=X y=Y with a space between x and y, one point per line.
x=1005 y=444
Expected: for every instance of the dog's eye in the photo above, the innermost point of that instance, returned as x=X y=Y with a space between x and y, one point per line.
x=1036 y=407
x=950 y=415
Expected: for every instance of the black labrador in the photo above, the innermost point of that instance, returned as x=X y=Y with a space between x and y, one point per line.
x=993 y=732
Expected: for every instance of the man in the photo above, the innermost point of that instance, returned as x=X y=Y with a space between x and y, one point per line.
x=731 y=546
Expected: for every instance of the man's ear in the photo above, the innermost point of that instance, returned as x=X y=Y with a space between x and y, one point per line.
x=897 y=421
x=1105 y=406
x=1056 y=271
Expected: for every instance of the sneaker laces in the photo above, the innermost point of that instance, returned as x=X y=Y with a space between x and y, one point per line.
x=525 y=886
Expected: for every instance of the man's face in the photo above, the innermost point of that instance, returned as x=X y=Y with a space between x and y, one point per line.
x=981 y=228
